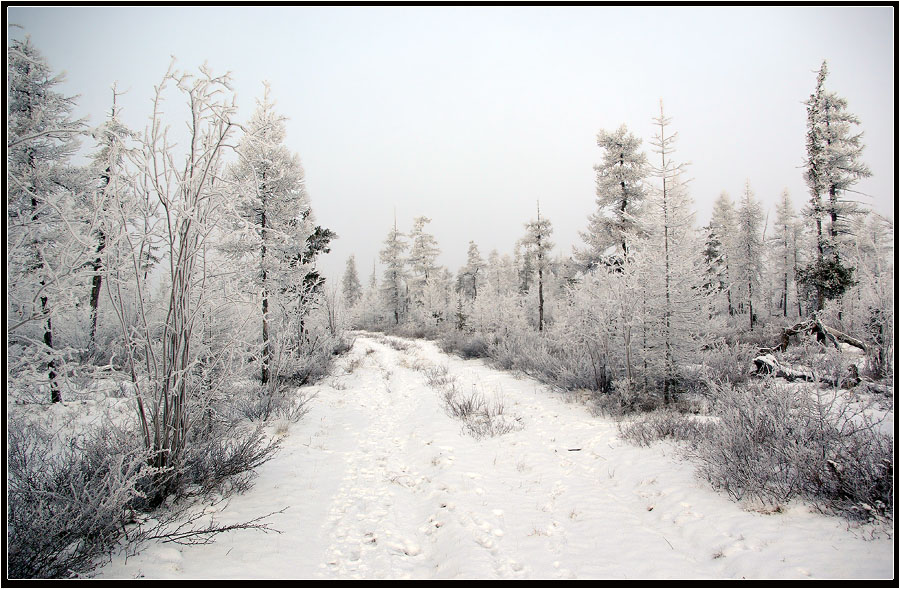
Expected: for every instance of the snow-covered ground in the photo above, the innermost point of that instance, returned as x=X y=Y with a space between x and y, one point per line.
x=379 y=482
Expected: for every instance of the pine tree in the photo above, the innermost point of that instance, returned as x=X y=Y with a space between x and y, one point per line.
x=538 y=245
x=784 y=248
x=423 y=253
x=393 y=287
x=107 y=167
x=352 y=289
x=620 y=195
x=469 y=277
x=748 y=252
x=43 y=253
x=674 y=279
x=833 y=166
x=272 y=217
x=719 y=250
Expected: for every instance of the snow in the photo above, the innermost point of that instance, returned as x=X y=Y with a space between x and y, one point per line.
x=380 y=483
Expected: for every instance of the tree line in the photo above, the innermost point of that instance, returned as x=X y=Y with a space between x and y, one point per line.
x=649 y=290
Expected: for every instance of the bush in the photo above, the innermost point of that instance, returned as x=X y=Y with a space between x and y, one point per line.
x=773 y=443
x=467 y=345
x=729 y=362
x=482 y=418
x=665 y=424
x=69 y=499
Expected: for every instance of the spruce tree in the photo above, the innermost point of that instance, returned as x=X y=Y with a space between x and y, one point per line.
x=43 y=252
x=620 y=195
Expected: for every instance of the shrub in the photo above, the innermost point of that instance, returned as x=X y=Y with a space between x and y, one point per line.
x=467 y=345
x=773 y=443
x=482 y=418
x=665 y=424
x=69 y=499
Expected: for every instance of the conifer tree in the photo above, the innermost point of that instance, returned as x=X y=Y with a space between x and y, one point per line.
x=620 y=195
x=44 y=254
x=748 y=252
x=352 y=289
x=538 y=245
x=423 y=253
x=271 y=216
x=833 y=166
x=393 y=286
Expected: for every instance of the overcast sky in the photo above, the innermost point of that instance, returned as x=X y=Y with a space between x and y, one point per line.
x=470 y=115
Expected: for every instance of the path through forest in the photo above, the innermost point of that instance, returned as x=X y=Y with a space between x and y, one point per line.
x=379 y=482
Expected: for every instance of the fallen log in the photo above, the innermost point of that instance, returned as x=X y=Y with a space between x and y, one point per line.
x=823 y=333
x=768 y=364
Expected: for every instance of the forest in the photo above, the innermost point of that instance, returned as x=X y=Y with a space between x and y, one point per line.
x=167 y=293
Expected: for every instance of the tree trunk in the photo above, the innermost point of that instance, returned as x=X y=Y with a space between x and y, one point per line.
x=96 y=281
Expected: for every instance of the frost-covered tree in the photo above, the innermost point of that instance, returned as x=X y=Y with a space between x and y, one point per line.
x=45 y=238
x=538 y=245
x=833 y=166
x=352 y=289
x=674 y=276
x=747 y=259
x=110 y=195
x=393 y=287
x=785 y=249
x=423 y=253
x=719 y=248
x=187 y=187
x=470 y=276
x=620 y=195
x=270 y=216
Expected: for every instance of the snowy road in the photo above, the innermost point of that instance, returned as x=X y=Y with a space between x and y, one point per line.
x=381 y=483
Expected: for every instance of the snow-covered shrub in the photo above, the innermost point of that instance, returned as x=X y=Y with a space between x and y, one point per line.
x=664 y=424
x=482 y=417
x=467 y=345
x=772 y=443
x=69 y=498
x=223 y=457
x=729 y=362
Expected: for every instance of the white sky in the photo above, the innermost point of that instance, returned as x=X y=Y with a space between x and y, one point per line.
x=469 y=115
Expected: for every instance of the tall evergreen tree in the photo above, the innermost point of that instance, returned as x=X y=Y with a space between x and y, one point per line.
x=393 y=287
x=748 y=253
x=538 y=245
x=423 y=253
x=784 y=249
x=833 y=166
x=352 y=289
x=674 y=278
x=470 y=275
x=43 y=253
x=620 y=195
x=272 y=217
